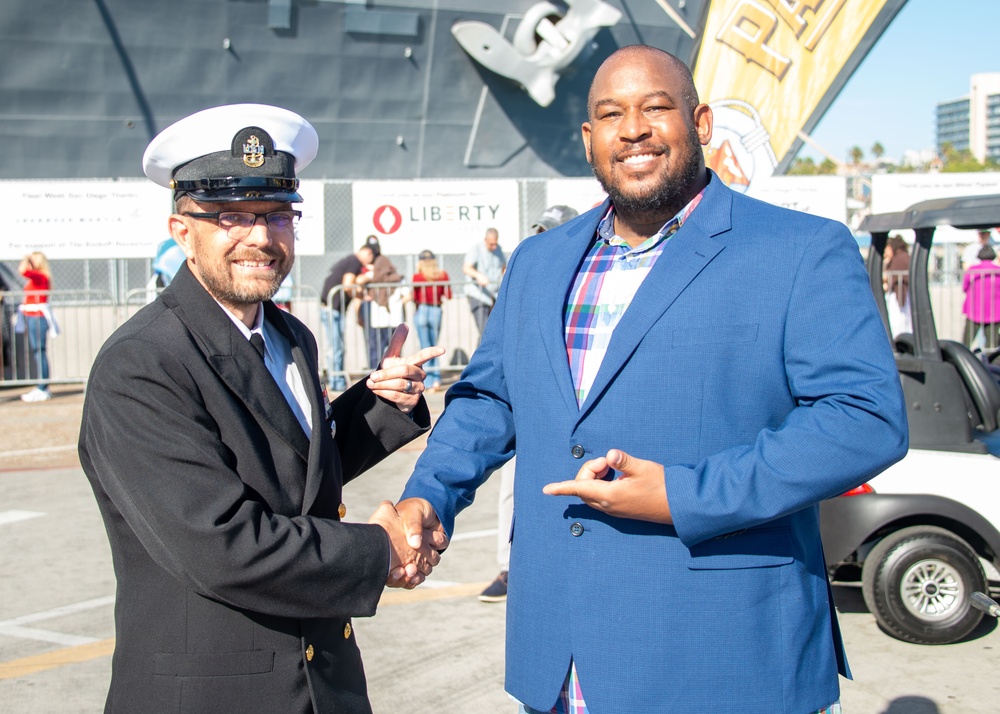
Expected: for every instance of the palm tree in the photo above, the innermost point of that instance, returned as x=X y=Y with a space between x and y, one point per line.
x=878 y=151
x=856 y=154
x=827 y=167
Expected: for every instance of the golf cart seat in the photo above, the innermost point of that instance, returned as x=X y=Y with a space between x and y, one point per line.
x=903 y=344
x=982 y=388
x=982 y=392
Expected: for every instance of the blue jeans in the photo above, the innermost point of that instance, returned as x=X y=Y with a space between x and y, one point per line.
x=427 y=320
x=37 y=328
x=480 y=313
x=333 y=325
x=378 y=337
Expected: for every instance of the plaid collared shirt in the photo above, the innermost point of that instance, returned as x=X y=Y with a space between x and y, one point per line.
x=608 y=280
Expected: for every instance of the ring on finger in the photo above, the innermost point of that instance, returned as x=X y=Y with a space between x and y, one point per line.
x=409 y=387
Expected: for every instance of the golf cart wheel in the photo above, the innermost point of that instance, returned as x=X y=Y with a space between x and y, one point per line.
x=918 y=582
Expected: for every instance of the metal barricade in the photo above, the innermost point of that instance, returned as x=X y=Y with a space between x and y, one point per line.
x=84 y=319
x=458 y=333
x=950 y=294
x=302 y=301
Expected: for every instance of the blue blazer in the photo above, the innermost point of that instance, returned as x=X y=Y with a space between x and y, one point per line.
x=753 y=365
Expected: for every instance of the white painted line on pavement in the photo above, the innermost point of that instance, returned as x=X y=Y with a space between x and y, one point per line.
x=15 y=627
x=59 y=611
x=15 y=516
x=32 y=633
x=432 y=583
x=41 y=450
x=474 y=534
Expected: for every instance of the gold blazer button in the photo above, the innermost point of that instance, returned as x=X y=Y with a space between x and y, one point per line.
x=347 y=631
x=342 y=510
x=309 y=653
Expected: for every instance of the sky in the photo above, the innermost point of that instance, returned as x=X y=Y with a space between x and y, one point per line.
x=925 y=56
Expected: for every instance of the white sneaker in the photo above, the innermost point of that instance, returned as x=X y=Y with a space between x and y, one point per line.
x=36 y=395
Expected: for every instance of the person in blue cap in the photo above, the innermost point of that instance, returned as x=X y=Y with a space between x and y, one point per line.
x=168 y=260
x=218 y=463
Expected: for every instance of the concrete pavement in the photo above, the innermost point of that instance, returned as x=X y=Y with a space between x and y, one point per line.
x=436 y=649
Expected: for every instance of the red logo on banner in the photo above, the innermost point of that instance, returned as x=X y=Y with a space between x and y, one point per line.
x=387 y=219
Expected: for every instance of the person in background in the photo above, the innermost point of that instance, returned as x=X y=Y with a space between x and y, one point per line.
x=427 y=317
x=37 y=320
x=377 y=315
x=970 y=255
x=484 y=265
x=496 y=591
x=6 y=328
x=896 y=281
x=981 y=284
x=168 y=260
x=344 y=275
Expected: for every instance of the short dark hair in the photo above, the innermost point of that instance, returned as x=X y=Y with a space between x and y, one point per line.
x=987 y=253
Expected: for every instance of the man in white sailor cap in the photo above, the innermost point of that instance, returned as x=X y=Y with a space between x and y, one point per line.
x=218 y=463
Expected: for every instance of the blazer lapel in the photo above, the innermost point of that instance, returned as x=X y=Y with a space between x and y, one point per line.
x=686 y=254
x=233 y=358
x=573 y=246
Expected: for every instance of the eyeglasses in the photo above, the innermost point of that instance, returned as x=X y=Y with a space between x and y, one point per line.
x=238 y=224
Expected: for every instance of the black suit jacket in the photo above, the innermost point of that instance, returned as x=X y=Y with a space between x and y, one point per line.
x=236 y=580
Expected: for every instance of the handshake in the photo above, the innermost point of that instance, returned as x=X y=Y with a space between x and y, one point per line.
x=416 y=540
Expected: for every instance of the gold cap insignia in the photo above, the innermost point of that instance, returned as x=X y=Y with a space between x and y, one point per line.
x=253 y=152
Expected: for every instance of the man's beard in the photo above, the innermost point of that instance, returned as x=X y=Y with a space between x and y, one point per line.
x=229 y=291
x=672 y=193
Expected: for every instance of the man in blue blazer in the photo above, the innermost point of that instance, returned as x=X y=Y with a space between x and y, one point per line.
x=709 y=367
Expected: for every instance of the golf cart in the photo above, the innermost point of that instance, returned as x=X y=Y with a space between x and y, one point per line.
x=915 y=534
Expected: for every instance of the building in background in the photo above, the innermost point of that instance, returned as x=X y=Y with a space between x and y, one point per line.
x=953 y=124
x=973 y=123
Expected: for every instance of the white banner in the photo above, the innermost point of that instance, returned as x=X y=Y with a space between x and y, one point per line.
x=310 y=234
x=897 y=192
x=824 y=196
x=446 y=217
x=84 y=219
x=579 y=193
x=73 y=219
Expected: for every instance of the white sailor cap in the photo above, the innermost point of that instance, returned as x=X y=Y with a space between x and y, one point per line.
x=238 y=152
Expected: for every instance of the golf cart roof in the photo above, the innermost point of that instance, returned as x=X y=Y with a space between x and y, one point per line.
x=967 y=212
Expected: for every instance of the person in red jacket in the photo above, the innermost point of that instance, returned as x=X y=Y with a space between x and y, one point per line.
x=428 y=299
x=37 y=319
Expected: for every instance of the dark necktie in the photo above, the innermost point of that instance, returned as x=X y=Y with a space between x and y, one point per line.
x=258 y=343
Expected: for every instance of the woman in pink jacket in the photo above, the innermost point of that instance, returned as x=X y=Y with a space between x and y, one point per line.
x=981 y=284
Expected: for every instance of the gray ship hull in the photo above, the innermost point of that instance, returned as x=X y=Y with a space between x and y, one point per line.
x=393 y=95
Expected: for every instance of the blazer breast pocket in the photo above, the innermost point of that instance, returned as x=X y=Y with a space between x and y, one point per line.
x=713 y=334
x=757 y=548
